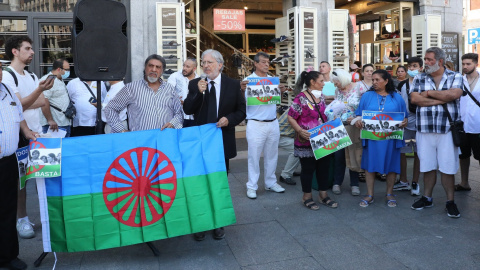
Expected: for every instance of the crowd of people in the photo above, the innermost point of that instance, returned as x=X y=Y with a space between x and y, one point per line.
x=428 y=97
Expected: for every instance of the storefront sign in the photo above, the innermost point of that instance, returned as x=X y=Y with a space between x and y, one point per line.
x=228 y=19
x=308 y=20
x=474 y=36
x=450 y=46
x=169 y=17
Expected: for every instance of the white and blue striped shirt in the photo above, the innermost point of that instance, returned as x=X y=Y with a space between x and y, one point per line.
x=10 y=118
x=146 y=108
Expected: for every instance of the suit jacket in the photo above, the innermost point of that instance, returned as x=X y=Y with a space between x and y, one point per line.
x=232 y=106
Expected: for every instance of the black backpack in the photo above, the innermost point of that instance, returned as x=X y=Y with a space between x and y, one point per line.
x=411 y=107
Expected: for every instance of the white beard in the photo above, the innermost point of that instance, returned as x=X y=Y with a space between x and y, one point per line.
x=152 y=79
x=432 y=69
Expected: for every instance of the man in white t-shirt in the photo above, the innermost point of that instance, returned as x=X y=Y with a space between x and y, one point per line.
x=328 y=88
x=56 y=99
x=470 y=115
x=29 y=91
x=180 y=80
x=115 y=87
x=84 y=97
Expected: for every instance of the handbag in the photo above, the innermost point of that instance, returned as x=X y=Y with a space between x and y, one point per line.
x=70 y=112
x=456 y=127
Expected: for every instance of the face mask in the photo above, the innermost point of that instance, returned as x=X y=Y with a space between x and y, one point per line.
x=317 y=93
x=66 y=75
x=412 y=73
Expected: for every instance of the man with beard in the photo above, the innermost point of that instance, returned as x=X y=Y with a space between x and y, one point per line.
x=435 y=148
x=470 y=113
x=29 y=91
x=180 y=80
x=151 y=103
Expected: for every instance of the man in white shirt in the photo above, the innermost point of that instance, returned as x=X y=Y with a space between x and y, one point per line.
x=84 y=96
x=263 y=134
x=470 y=114
x=56 y=99
x=115 y=87
x=29 y=91
x=326 y=71
x=180 y=81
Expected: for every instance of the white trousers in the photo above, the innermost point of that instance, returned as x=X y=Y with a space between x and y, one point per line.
x=437 y=152
x=286 y=143
x=262 y=137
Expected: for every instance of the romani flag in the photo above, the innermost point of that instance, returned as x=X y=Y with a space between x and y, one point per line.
x=123 y=189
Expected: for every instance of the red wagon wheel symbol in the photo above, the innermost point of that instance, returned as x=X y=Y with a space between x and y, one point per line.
x=264 y=82
x=35 y=168
x=382 y=117
x=140 y=186
x=324 y=129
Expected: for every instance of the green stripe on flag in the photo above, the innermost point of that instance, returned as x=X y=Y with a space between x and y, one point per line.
x=380 y=136
x=83 y=222
x=256 y=101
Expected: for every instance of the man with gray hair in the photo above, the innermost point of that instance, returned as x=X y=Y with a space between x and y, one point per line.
x=151 y=102
x=436 y=94
x=263 y=135
x=217 y=99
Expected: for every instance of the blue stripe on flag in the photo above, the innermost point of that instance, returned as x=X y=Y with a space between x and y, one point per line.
x=85 y=160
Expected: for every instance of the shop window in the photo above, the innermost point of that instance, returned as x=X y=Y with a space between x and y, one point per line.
x=8 y=28
x=55 y=42
x=474 y=4
x=261 y=42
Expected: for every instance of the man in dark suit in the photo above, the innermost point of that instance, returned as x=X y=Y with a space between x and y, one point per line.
x=217 y=99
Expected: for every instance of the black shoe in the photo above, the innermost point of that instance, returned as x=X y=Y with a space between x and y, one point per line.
x=296 y=174
x=15 y=264
x=219 y=233
x=452 y=210
x=199 y=236
x=288 y=180
x=419 y=204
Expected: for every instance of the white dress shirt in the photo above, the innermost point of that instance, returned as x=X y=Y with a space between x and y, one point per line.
x=80 y=96
x=217 y=88
x=110 y=95
x=469 y=111
x=180 y=83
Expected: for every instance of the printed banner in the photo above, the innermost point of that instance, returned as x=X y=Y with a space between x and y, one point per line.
x=135 y=187
x=329 y=138
x=40 y=159
x=381 y=126
x=263 y=91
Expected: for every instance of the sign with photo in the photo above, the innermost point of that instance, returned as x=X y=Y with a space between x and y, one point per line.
x=41 y=159
x=381 y=126
x=263 y=91
x=328 y=138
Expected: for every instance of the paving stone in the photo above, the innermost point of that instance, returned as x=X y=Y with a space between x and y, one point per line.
x=307 y=263
x=218 y=257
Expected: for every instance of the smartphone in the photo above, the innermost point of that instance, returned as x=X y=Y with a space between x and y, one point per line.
x=92 y=100
x=51 y=77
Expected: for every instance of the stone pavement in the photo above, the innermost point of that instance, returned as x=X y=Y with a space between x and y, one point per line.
x=276 y=231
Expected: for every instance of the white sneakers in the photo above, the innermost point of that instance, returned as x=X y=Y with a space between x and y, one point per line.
x=251 y=193
x=25 y=229
x=336 y=189
x=276 y=188
x=355 y=191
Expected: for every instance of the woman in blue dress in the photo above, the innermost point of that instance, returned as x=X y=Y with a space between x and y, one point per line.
x=381 y=156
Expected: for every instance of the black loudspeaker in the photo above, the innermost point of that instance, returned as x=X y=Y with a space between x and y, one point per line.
x=100 y=44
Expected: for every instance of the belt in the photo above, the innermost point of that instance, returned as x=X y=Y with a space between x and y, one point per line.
x=263 y=120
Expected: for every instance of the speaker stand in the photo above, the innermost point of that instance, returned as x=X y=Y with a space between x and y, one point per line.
x=98 y=123
x=42 y=256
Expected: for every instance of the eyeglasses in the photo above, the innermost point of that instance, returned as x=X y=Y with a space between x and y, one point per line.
x=207 y=63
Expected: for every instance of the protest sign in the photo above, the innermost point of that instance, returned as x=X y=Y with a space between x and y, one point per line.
x=381 y=126
x=263 y=91
x=328 y=138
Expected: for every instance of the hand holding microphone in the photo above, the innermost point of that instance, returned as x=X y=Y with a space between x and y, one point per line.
x=202 y=83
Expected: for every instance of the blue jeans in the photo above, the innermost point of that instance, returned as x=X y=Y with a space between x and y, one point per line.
x=339 y=171
x=66 y=128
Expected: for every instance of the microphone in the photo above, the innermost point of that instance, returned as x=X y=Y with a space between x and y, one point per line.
x=203 y=77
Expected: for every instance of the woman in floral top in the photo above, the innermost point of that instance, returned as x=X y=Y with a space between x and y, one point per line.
x=307 y=112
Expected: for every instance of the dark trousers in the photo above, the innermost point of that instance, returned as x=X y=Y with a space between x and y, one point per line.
x=82 y=131
x=321 y=167
x=227 y=164
x=8 y=209
x=188 y=123
x=340 y=165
